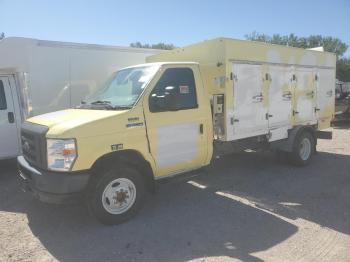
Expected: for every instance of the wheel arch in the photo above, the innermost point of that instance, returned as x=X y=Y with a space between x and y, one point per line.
x=287 y=144
x=127 y=157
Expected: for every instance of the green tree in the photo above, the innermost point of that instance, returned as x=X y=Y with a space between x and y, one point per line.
x=153 y=46
x=2 y=35
x=343 y=69
x=330 y=44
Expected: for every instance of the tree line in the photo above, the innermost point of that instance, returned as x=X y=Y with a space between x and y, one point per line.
x=330 y=44
x=162 y=46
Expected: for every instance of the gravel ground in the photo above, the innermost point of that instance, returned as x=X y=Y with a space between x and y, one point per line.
x=247 y=207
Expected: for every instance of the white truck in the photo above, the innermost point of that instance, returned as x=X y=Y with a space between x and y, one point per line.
x=38 y=76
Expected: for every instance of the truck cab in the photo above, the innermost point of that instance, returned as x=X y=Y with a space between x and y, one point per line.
x=148 y=122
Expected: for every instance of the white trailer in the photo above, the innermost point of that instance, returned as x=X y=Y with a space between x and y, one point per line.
x=38 y=76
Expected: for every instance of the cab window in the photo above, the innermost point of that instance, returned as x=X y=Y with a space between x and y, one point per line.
x=175 y=90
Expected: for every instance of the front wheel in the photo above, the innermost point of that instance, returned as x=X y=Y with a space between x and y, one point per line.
x=303 y=149
x=116 y=196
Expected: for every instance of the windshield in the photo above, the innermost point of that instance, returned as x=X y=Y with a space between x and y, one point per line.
x=122 y=89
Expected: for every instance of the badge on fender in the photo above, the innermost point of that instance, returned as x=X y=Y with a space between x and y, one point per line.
x=116 y=147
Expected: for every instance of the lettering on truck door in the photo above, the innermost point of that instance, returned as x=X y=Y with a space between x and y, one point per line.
x=176 y=122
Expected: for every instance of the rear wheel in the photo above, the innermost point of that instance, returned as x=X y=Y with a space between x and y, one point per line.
x=303 y=149
x=116 y=195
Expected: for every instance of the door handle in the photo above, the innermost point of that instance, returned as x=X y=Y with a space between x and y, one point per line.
x=295 y=112
x=267 y=116
x=287 y=96
x=11 y=117
x=201 y=128
x=258 y=98
x=311 y=94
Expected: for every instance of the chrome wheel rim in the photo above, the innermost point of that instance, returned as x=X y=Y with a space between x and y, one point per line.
x=305 y=149
x=119 y=196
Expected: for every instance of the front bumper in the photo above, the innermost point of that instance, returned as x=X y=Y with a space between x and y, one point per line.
x=50 y=186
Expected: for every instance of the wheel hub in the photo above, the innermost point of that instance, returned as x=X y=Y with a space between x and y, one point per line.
x=305 y=149
x=119 y=196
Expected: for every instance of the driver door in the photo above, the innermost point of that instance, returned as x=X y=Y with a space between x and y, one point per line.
x=9 y=142
x=176 y=123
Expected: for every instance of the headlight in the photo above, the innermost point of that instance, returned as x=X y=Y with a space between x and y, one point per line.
x=61 y=154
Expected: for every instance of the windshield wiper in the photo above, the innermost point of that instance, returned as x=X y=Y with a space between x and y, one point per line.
x=122 y=107
x=104 y=103
x=101 y=102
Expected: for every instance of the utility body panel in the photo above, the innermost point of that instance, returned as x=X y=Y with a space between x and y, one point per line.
x=267 y=88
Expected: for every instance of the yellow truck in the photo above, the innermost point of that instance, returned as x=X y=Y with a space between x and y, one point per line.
x=175 y=114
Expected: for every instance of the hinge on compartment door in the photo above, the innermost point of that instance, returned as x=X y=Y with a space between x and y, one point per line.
x=295 y=112
x=233 y=77
x=310 y=94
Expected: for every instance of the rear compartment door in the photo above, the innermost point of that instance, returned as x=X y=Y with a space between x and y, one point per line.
x=304 y=96
x=280 y=96
x=249 y=118
x=9 y=145
x=325 y=97
x=279 y=101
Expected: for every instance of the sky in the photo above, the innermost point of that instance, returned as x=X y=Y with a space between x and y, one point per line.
x=178 y=22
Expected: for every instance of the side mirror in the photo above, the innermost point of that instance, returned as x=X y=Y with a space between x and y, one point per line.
x=157 y=103
x=171 y=90
x=172 y=96
x=167 y=101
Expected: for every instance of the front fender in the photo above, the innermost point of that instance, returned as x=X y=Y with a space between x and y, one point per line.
x=90 y=149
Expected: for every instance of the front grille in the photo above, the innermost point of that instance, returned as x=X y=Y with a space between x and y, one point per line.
x=34 y=144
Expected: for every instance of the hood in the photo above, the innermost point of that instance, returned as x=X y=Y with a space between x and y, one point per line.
x=63 y=122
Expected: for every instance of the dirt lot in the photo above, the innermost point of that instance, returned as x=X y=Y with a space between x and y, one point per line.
x=246 y=207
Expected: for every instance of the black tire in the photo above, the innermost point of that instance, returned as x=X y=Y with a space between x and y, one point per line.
x=296 y=157
x=100 y=184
